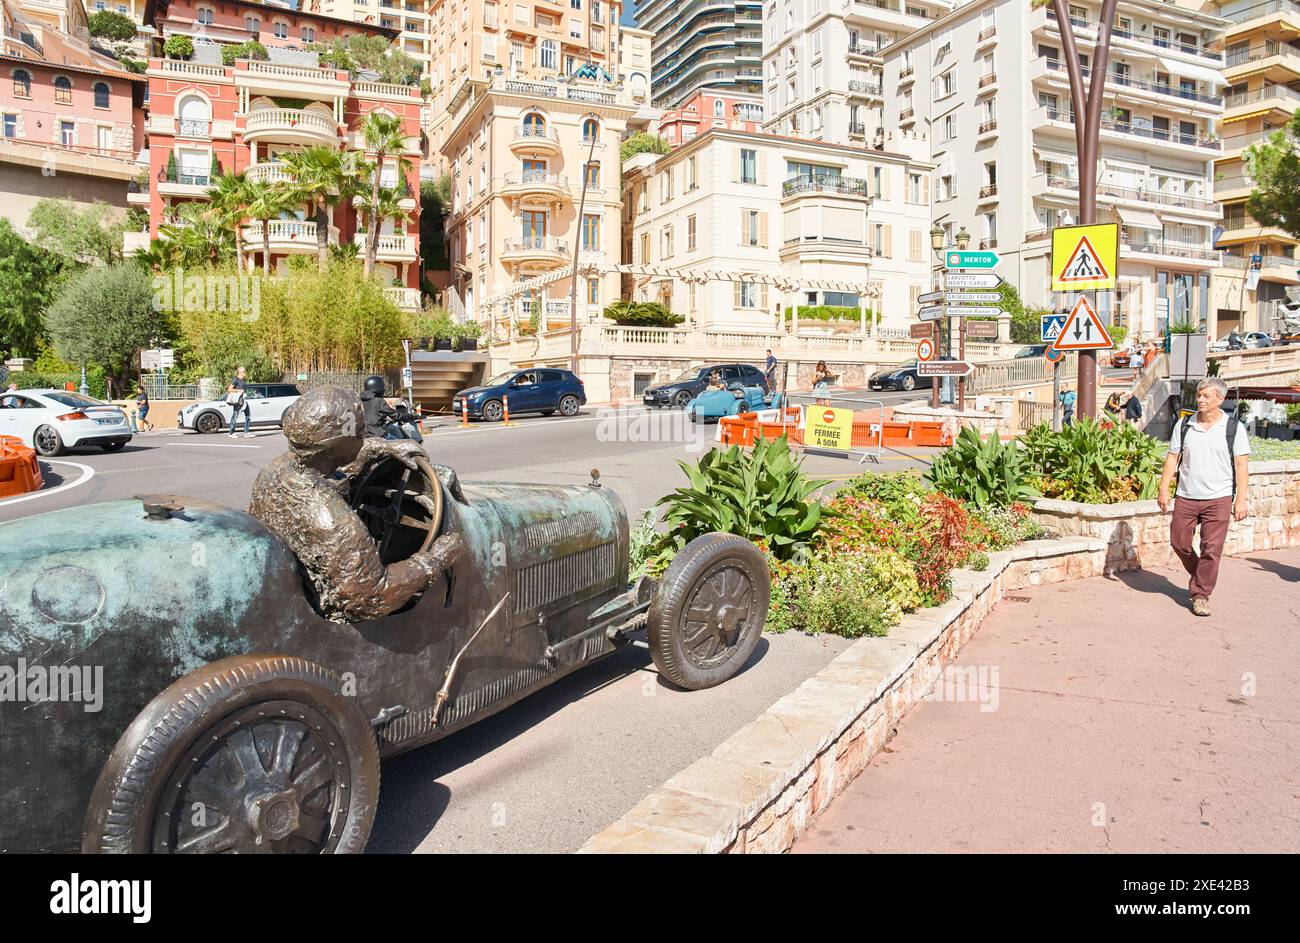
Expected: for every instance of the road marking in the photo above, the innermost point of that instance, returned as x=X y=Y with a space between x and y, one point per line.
x=213 y=445
x=87 y=473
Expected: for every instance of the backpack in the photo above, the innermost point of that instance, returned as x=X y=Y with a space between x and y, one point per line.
x=1231 y=429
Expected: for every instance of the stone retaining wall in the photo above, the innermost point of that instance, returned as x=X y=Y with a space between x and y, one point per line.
x=763 y=786
x=1137 y=533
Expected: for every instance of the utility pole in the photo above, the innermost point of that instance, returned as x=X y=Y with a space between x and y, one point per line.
x=1086 y=101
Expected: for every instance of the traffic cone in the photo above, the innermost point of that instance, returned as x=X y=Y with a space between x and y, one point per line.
x=505 y=405
x=464 y=413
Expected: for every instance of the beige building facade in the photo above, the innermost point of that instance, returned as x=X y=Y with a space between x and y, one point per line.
x=814 y=223
x=1262 y=74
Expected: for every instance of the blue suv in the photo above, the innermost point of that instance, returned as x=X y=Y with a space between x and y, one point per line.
x=544 y=390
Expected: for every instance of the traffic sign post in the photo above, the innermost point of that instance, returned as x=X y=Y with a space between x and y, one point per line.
x=984 y=330
x=971 y=297
x=966 y=293
x=931 y=313
x=1050 y=327
x=925 y=350
x=972 y=280
x=960 y=259
x=945 y=368
x=924 y=329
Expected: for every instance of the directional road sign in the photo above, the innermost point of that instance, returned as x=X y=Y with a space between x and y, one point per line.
x=982 y=329
x=944 y=368
x=1050 y=326
x=972 y=297
x=930 y=297
x=924 y=329
x=972 y=279
x=972 y=311
x=932 y=313
x=1083 y=329
x=975 y=260
x=1085 y=258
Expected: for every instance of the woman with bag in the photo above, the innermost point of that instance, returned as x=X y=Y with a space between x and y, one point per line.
x=237 y=398
x=822 y=379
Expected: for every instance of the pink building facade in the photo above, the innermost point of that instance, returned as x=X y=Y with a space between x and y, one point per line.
x=706 y=110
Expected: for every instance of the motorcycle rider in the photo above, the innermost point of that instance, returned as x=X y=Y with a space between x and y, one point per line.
x=382 y=420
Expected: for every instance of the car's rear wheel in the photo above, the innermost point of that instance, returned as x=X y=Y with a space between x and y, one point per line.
x=569 y=405
x=492 y=410
x=909 y=383
x=112 y=446
x=253 y=754
x=46 y=441
x=681 y=399
x=709 y=610
x=208 y=423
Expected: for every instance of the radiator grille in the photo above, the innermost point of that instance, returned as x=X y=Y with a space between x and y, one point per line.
x=548 y=532
x=544 y=583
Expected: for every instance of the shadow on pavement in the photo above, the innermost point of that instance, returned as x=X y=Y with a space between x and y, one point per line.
x=1289 y=573
x=411 y=799
x=1146 y=581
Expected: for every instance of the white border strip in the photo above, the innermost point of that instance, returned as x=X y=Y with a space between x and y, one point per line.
x=87 y=473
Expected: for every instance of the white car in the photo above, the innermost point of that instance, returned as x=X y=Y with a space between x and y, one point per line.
x=51 y=421
x=266 y=405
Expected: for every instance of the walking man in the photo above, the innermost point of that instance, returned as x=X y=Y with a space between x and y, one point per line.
x=237 y=397
x=770 y=370
x=1211 y=454
x=1068 y=399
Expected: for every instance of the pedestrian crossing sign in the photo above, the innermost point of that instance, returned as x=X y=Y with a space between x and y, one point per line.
x=1085 y=258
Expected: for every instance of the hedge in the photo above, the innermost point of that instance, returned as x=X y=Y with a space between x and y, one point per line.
x=829 y=313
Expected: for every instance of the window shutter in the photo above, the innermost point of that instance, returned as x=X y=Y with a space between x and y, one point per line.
x=884 y=183
x=760 y=171
x=889 y=242
x=762 y=230
x=743 y=229
x=762 y=296
x=736 y=293
x=735 y=169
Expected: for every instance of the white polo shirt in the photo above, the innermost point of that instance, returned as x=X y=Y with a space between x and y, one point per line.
x=1205 y=472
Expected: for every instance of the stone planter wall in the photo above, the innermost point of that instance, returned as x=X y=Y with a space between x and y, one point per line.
x=1137 y=533
x=763 y=786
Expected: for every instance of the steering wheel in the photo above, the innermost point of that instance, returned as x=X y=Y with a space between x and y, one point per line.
x=391 y=498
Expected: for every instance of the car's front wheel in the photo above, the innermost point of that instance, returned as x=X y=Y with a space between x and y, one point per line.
x=492 y=410
x=569 y=405
x=681 y=399
x=909 y=383
x=46 y=441
x=209 y=423
x=253 y=754
x=709 y=610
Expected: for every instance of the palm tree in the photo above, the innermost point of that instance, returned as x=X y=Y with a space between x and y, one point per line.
x=384 y=139
x=266 y=201
x=198 y=236
x=230 y=196
x=322 y=176
x=380 y=204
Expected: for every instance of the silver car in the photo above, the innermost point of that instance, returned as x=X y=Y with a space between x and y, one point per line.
x=52 y=421
x=266 y=405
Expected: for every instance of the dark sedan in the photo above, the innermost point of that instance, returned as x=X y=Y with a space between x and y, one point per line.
x=692 y=383
x=900 y=377
x=535 y=390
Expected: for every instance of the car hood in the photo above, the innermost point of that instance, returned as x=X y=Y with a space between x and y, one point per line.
x=675 y=385
x=889 y=372
x=473 y=390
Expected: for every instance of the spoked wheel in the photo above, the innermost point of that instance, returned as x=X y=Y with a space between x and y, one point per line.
x=47 y=442
x=909 y=383
x=398 y=503
x=681 y=399
x=492 y=410
x=709 y=611
x=208 y=423
x=254 y=754
x=569 y=406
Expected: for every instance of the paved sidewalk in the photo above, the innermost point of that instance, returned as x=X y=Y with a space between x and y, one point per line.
x=1123 y=723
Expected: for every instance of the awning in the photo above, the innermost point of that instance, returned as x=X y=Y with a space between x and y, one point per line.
x=1143 y=219
x=1249 y=114
x=1056 y=157
x=1189 y=70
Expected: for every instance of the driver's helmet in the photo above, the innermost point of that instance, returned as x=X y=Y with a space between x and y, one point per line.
x=323 y=418
x=375 y=384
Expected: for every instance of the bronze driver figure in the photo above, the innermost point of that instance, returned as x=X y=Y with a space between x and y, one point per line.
x=301 y=499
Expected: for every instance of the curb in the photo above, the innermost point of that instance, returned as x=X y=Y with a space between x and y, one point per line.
x=763 y=785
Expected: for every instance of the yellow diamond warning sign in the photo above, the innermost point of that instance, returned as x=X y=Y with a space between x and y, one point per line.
x=1085 y=258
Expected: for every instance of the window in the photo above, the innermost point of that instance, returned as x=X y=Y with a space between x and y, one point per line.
x=666 y=243
x=666 y=185
x=593 y=176
x=67 y=133
x=645 y=247
x=593 y=291
x=817 y=42
x=946 y=84
x=281 y=29
x=718 y=107
x=948 y=127
x=947 y=187
x=11 y=128
x=748 y=165
x=253 y=24
x=795 y=168
x=691 y=180
x=590 y=130
x=62 y=90
x=548 y=55
x=750 y=295
x=595 y=11
x=916 y=188
x=915 y=245
x=880 y=240
x=308 y=34
x=690 y=230
x=490 y=46
x=544 y=21
x=878 y=183
x=575 y=28
x=101 y=94
x=521 y=14
x=590 y=232
x=490 y=15
x=204 y=16
x=535 y=125
x=22 y=84
x=753 y=228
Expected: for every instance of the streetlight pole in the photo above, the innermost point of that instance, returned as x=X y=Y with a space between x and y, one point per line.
x=577 y=244
x=936 y=245
x=1086 y=101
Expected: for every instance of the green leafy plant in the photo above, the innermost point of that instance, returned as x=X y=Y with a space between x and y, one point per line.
x=642 y=314
x=982 y=472
x=640 y=143
x=108 y=24
x=760 y=494
x=828 y=313
x=1092 y=462
x=249 y=49
x=179 y=47
x=852 y=596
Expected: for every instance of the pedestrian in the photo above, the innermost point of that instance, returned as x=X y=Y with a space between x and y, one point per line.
x=1149 y=357
x=1210 y=452
x=1112 y=407
x=8 y=400
x=770 y=371
x=1068 y=398
x=142 y=410
x=1132 y=408
x=822 y=378
x=237 y=397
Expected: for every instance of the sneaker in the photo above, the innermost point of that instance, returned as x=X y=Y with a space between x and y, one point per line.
x=1200 y=606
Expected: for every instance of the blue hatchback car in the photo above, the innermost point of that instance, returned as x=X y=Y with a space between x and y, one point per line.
x=544 y=390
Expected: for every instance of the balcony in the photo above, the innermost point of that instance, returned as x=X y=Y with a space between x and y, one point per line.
x=1156 y=251
x=538 y=252
x=907 y=114
x=535 y=140
x=408 y=299
x=259 y=77
x=1085 y=31
x=290 y=125
x=1199 y=143
x=393 y=247
x=538 y=184
x=988 y=193
x=1281 y=60
x=1124 y=83
x=287 y=236
x=269 y=171
x=818 y=247
x=599 y=95
x=859 y=89
x=986 y=34
x=824 y=183
x=1269 y=98
x=137 y=194
x=905 y=74
x=990 y=78
x=1111 y=194
x=1260 y=10
x=180 y=183
x=987 y=128
x=866 y=50
x=1234 y=145
x=857 y=129
x=182 y=68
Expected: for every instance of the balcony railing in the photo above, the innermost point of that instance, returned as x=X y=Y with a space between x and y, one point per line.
x=863 y=88
x=1263 y=94
x=988 y=190
x=183 y=67
x=535 y=178
x=987 y=126
x=541 y=244
x=906 y=72
x=272 y=171
x=987 y=33
x=389 y=243
x=1176 y=249
x=988 y=79
x=189 y=180
x=1258 y=10
x=1137 y=194
x=858 y=128
x=1249 y=138
x=1266 y=51
x=906 y=114
x=548 y=90
x=1127 y=81
x=535 y=132
x=194 y=127
x=286 y=230
x=824 y=183
x=291 y=119
x=863 y=49
x=1170 y=43
x=1161 y=134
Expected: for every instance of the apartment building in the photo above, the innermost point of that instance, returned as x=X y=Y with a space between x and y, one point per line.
x=1001 y=134
x=409 y=17
x=822 y=64
x=789 y=210
x=519 y=153
x=71 y=118
x=635 y=61
x=207 y=118
x=703 y=44
x=1262 y=75
x=707 y=109
x=545 y=41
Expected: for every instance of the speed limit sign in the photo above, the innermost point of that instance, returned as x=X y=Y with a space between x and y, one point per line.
x=925 y=349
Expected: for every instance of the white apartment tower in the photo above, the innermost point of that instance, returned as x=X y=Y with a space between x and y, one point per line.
x=822 y=64
x=987 y=84
x=702 y=44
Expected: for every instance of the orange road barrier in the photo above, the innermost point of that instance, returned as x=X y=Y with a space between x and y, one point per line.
x=928 y=433
x=19 y=471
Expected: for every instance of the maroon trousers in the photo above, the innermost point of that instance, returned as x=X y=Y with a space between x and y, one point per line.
x=1213 y=517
